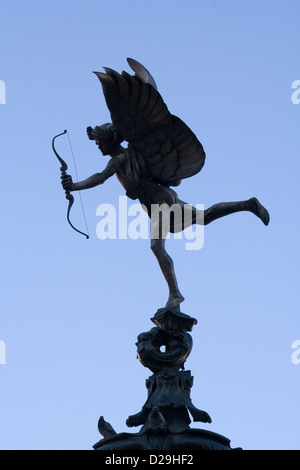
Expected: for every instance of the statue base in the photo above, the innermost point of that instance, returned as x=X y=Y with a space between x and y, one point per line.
x=164 y=350
x=188 y=440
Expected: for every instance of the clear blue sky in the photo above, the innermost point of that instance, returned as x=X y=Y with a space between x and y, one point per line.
x=71 y=309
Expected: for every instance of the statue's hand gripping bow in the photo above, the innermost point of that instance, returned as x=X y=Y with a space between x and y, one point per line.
x=69 y=196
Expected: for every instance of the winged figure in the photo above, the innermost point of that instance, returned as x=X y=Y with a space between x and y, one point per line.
x=162 y=150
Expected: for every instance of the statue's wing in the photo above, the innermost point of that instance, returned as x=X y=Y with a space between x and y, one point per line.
x=141 y=72
x=170 y=149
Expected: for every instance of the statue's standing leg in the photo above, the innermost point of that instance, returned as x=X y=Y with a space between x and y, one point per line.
x=167 y=266
x=160 y=227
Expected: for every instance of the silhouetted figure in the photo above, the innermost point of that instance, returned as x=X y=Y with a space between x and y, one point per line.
x=162 y=150
x=156 y=419
x=105 y=429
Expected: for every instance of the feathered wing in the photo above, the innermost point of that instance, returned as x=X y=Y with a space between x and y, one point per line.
x=169 y=148
x=141 y=72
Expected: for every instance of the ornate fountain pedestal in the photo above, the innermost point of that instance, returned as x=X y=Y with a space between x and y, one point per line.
x=164 y=350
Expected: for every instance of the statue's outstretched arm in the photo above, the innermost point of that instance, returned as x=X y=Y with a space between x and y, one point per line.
x=94 y=180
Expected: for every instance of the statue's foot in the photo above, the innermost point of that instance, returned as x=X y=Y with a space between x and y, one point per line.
x=175 y=301
x=259 y=210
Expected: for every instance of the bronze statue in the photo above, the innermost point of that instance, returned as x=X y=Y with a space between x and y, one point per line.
x=161 y=151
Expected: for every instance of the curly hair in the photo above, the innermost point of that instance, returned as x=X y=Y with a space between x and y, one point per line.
x=107 y=133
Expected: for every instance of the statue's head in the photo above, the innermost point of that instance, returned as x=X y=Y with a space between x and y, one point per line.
x=106 y=137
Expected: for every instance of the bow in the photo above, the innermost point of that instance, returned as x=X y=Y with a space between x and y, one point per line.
x=69 y=196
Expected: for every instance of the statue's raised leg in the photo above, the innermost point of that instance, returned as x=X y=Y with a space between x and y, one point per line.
x=217 y=211
x=226 y=208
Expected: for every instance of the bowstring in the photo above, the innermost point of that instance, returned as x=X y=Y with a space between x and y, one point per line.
x=76 y=174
